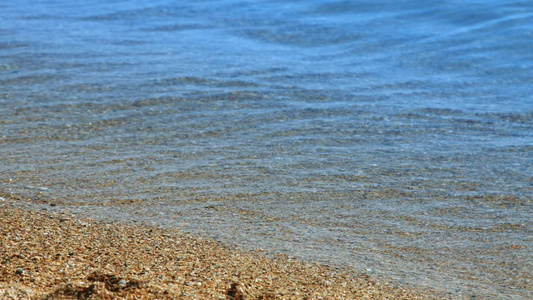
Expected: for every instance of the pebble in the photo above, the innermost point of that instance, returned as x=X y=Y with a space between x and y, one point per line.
x=20 y=271
x=122 y=283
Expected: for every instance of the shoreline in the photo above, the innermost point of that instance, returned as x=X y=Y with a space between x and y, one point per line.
x=50 y=255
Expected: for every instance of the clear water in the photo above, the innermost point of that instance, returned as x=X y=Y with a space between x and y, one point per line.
x=391 y=137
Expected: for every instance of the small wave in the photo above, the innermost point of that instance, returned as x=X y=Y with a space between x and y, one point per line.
x=178 y=27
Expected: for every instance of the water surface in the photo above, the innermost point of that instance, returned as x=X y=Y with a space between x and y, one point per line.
x=393 y=138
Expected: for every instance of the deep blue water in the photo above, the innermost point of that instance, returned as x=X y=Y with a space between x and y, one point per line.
x=363 y=129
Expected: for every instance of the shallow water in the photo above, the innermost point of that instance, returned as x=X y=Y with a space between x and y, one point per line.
x=394 y=139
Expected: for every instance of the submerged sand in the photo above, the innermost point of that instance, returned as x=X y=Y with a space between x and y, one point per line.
x=47 y=255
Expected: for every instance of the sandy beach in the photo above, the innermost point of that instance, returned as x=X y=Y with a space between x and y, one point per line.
x=47 y=255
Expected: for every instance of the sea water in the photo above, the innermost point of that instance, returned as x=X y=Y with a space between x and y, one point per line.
x=393 y=138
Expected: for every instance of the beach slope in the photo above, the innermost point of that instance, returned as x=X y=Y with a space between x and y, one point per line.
x=45 y=255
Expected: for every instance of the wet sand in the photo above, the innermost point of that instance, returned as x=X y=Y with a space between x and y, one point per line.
x=46 y=255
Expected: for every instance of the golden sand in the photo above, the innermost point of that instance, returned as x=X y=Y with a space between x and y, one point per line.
x=46 y=255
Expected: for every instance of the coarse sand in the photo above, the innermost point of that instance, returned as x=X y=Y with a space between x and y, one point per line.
x=45 y=255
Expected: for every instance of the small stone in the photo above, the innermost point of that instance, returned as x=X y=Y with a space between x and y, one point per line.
x=122 y=283
x=20 y=271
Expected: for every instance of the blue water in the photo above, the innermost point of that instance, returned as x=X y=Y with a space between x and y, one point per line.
x=392 y=137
